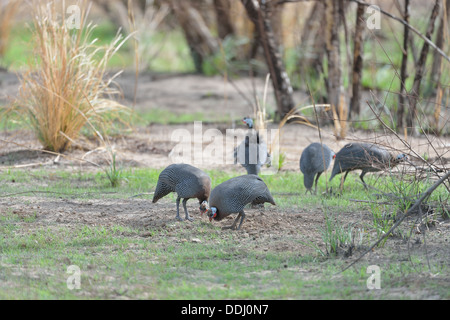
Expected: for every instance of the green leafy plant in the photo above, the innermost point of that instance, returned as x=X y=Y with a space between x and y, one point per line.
x=113 y=173
x=382 y=219
x=227 y=59
x=339 y=238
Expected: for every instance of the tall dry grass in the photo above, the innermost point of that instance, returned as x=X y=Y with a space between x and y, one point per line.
x=292 y=117
x=67 y=87
x=340 y=117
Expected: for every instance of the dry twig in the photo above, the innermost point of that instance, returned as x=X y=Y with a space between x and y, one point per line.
x=412 y=209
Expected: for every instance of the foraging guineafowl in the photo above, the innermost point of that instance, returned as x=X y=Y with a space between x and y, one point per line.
x=188 y=182
x=364 y=156
x=233 y=195
x=252 y=153
x=314 y=161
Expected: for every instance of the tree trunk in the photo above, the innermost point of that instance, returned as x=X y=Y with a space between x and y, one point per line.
x=336 y=96
x=333 y=52
x=224 y=25
x=403 y=71
x=199 y=38
x=437 y=61
x=275 y=14
x=436 y=70
x=415 y=91
x=280 y=80
x=312 y=41
x=355 y=102
x=256 y=41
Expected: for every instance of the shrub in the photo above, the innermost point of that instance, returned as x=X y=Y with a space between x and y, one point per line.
x=66 y=87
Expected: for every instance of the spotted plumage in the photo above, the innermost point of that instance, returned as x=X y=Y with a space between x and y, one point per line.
x=234 y=194
x=315 y=159
x=252 y=153
x=365 y=157
x=188 y=182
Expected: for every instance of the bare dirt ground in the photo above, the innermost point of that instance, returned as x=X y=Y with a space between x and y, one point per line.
x=150 y=146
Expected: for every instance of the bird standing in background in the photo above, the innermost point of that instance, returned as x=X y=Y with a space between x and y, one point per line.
x=188 y=182
x=234 y=194
x=363 y=156
x=252 y=153
x=315 y=159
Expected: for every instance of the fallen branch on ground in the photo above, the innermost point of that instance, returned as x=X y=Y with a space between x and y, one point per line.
x=416 y=205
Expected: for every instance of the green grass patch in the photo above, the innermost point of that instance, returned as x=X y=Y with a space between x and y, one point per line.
x=173 y=54
x=118 y=261
x=287 y=187
x=19 y=53
x=34 y=266
x=163 y=116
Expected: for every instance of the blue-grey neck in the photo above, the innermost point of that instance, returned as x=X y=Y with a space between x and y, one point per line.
x=249 y=122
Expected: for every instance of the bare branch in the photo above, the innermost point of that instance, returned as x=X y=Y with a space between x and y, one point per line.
x=420 y=69
x=410 y=210
x=430 y=43
x=436 y=172
x=403 y=70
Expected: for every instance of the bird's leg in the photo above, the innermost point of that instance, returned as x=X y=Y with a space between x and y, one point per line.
x=234 y=223
x=345 y=176
x=363 y=173
x=242 y=214
x=178 y=210
x=185 y=210
x=233 y=226
x=317 y=178
x=343 y=180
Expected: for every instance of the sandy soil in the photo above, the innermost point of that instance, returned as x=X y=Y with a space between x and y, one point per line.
x=151 y=145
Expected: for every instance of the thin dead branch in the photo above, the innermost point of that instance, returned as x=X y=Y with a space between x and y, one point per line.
x=403 y=70
x=433 y=168
x=428 y=41
x=280 y=80
x=415 y=206
x=48 y=152
x=420 y=69
x=355 y=102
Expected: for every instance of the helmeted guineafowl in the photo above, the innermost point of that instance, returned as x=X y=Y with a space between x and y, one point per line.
x=252 y=153
x=233 y=195
x=314 y=160
x=364 y=156
x=188 y=182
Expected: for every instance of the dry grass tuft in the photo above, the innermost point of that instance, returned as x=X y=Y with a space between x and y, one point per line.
x=66 y=87
x=340 y=119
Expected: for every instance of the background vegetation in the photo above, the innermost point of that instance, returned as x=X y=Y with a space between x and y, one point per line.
x=387 y=80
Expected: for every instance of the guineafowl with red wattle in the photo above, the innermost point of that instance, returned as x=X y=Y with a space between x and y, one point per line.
x=234 y=194
x=366 y=157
